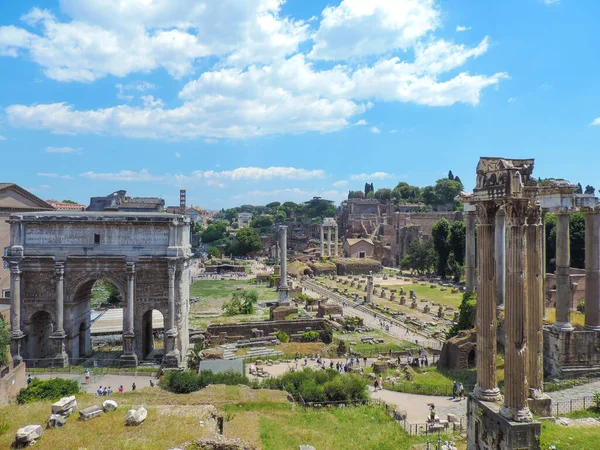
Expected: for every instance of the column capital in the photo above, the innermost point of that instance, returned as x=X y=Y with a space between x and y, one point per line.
x=172 y=266
x=486 y=212
x=59 y=269
x=516 y=211
x=130 y=268
x=534 y=213
x=15 y=268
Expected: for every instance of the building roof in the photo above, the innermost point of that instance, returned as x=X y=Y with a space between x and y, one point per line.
x=353 y=241
x=41 y=204
x=66 y=206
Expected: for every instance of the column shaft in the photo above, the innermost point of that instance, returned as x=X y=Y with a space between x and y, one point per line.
x=322 y=241
x=486 y=388
x=592 y=270
x=335 y=243
x=60 y=292
x=130 y=298
x=563 y=280
x=15 y=300
x=500 y=249
x=516 y=388
x=535 y=303
x=170 y=326
x=328 y=241
x=470 y=252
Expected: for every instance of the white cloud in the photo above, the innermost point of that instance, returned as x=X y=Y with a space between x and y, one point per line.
x=371 y=176
x=375 y=130
x=118 y=38
x=177 y=155
x=361 y=122
x=44 y=186
x=460 y=28
x=139 y=86
x=361 y=28
x=341 y=183
x=49 y=175
x=546 y=86
x=596 y=122
x=212 y=177
x=2 y=138
x=393 y=131
x=63 y=150
x=512 y=99
x=551 y=2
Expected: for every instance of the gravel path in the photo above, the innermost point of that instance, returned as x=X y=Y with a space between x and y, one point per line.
x=575 y=393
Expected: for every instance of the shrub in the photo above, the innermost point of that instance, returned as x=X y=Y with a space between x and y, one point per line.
x=188 y=381
x=52 y=389
x=326 y=335
x=310 y=336
x=283 y=336
x=342 y=348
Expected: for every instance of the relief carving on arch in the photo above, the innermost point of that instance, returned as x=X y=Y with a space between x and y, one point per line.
x=151 y=283
x=38 y=285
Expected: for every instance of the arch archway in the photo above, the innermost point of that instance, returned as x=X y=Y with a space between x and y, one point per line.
x=153 y=335
x=471 y=359
x=40 y=329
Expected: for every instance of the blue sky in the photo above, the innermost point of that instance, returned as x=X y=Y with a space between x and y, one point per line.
x=260 y=100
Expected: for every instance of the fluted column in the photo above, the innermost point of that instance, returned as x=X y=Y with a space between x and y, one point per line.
x=470 y=252
x=283 y=284
x=592 y=269
x=335 y=249
x=563 y=279
x=500 y=249
x=328 y=241
x=535 y=300
x=129 y=357
x=15 y=300
x=516 y=388
x=59 y=271
x=322 y=241
x=486 y=388
x=170 y=325
x=370 y=288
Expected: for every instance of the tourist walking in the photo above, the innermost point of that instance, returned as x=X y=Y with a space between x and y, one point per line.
x=29 y=379
x=133 y=386
x=454 y=389
x=87 y=376
x=121 y=389
x=380 y=383
x=462 y=391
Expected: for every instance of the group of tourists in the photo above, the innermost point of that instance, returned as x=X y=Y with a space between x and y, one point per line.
x=420 y=360
x=458 y=390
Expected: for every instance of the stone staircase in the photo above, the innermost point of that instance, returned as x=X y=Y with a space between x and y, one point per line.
x=255 y=352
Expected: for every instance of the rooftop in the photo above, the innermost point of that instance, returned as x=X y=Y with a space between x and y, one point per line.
x=80 y=216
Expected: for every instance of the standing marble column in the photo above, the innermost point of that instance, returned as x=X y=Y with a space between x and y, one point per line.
x=15 y=300
x=283 y=284
x=328 y=241
x=487 y=387
x=535 y=300
x=500 y=249
x=322 y=241
x=516 y=362
x=592 y=270
x=335 y=249
x=470 y=251
x=544 y=263
x=129 y=357
x=59 y=272
x=170 y=326
x=370 y=288
x=563 y=279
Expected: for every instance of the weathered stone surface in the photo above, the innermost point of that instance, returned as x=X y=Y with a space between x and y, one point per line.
x=28 y=434
x=64 y=406
x=109 y=405
x=136 y=416
x=400 y=414
x=90 y=412
x=306 y=447
x=452 y=418
x=218 y=443
x=56 y=421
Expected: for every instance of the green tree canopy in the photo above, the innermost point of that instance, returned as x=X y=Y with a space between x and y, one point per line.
x=247 y=240
x=214 y=232
x=405 y=193
x=383 y=194
x=356 y=194
x=421 y=256
x=441 y=234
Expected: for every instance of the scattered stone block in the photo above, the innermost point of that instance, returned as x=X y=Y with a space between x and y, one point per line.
x=452 y=418
x=136 y=416
x=90 y=412
x=65 y=406
x=28 y=435
x=56 y=421
x=109 y=405
x=306 y=447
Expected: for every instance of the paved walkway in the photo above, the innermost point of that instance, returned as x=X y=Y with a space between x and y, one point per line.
x=114 y=381
x=575 y=393
x=417 y=406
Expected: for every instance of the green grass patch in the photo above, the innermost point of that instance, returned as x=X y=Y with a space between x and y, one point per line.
x=569 y=438
x=583 y=413
x=207 y=289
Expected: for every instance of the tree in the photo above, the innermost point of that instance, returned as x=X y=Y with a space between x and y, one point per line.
x=421 y=256
x=466 y=315
x=195 y=355
x=579 y=189
x=214 y=232
x=261 y=222
x=371 y=194
x=4 y=342
x=247 y=240
x=590 y=190
x=72 y=202
x=457 y=240
x=356 y=194
x=457 y=179
x=440 y=234
x=447 y=190
x=241 y=303
x=450 y=175
x=368 y=188
x=383 y=194
x=405 y=193
x=213 y=252
x=576 y=237
x=280 y=217
x=273 y=205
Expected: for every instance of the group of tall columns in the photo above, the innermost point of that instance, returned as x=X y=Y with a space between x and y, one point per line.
x=58 y=336
x=510 y=278
x=329 y=227
x=283 y=287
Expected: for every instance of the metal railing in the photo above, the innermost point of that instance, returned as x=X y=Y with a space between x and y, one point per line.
x=96 y=366
x=576 y=404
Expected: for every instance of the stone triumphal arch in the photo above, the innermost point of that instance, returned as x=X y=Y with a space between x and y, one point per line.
x=56 y=257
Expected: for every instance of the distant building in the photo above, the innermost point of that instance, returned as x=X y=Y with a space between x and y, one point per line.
x=244 y=219
x=119 y=201
x=66 y=206
x=359 y=248
x=198 y=215
x=14 y=199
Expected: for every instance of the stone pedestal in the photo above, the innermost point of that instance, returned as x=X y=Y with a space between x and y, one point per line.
x=172 y=357
x=570 y=355
x=541 y=406
x=60 y=358
x=129 y=358
x=281 y=312
x=488 y=430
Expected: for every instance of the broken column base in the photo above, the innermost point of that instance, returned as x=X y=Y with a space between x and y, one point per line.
x=281 y=312
x=541 y=406
x=171 y=359
x=488 y=430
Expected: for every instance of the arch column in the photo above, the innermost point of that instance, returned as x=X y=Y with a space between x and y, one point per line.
x=172 y=355
x=592 y=269
x=16 y=333
x=129 y=357
x=59 y=335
